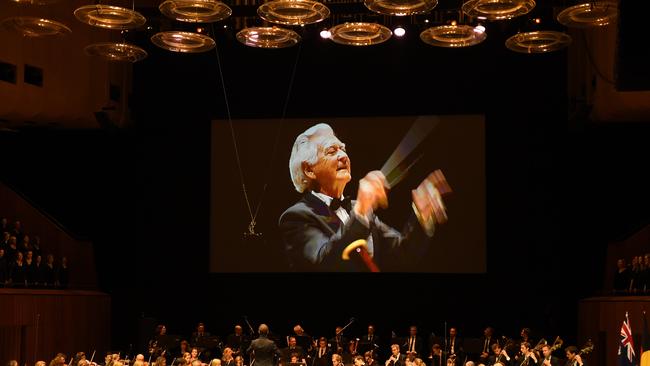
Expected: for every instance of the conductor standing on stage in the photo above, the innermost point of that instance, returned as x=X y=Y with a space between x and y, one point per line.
x=263 y=351
x=318 y=228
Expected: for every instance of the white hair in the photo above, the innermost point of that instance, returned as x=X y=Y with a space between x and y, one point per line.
x=305 y=151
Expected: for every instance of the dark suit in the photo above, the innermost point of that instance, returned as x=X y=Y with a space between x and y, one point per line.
x=314 y=239
x=264 y=351
x=401 y=360
x=288 y=351
x=322 y=360
x=501 y=359
x=418 y=345
x=368 y=343
x=554 y=361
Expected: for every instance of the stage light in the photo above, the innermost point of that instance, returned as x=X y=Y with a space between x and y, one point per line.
x=325 y=34
x=399 y=31
x=479 y=29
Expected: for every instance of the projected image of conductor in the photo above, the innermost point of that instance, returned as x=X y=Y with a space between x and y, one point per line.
x=328 y=231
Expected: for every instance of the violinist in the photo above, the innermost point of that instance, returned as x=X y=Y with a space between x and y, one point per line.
x=227 y=359
x=548 y=358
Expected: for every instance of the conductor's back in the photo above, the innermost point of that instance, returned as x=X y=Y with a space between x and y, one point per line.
x=263 y=351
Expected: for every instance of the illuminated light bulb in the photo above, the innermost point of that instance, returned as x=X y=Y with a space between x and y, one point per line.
x=325 y=33
x=399 y=31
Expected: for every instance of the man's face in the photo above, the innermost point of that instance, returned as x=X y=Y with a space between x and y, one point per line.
x=497 y=350
x=452 y=332
x=338 y=331
x=523 y=349
x=394 y=349
x=238 y=330
x=358 y=362
x=201 y=328
x=371 y=329
x=322 y=343
x=569 y=355
x=292 y=342
x=487 y=332
x=413 y=331
x=546 y=351
x=333 y=166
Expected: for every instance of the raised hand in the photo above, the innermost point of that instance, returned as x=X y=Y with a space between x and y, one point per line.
x=372 y=193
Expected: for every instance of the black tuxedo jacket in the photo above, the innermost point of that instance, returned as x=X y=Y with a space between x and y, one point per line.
x=419 y=345
x=554 y=361
x=314 y=239
x=264 y=351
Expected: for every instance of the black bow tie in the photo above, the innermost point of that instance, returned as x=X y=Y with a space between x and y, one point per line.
x=346 y=203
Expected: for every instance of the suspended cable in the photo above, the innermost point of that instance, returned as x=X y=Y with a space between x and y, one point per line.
x=253 y=216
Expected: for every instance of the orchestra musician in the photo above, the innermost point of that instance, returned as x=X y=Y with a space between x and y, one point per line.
x=292 y=348
x=435 y=356
x=488 y=340
x=396 y=358
x=227 y=359
x=573 y=357
x=237 y=341
x=527 y=355
x=322 y=354
x=414 y=343
x=548 y=359
x=368 y=342
x=369 y=358
x=339 y=341
x=156 y=347
x=499 y=356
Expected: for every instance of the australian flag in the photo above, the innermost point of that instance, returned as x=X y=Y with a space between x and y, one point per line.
x=626 y=356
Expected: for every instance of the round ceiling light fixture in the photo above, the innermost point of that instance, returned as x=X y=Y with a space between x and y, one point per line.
x=268 y=37
x=593 y=14
x=110 y=17
x=400 y=7
x=293 y=12
x=497 y=9
x=195 y=11
x=538 y=42
x=453 y=36
x=184 y=42
x=116 y=51
x=35 y=27
x=360 y=34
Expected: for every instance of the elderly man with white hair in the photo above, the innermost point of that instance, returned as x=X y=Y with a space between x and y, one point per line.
x=318 y=228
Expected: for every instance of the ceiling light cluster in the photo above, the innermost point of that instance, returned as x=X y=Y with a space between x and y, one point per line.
x=290 y=13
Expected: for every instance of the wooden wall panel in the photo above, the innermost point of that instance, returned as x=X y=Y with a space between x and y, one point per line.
x=600 y=319
x=37 y=324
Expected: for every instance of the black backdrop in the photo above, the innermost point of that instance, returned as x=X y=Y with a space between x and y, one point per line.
x=557 y=191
